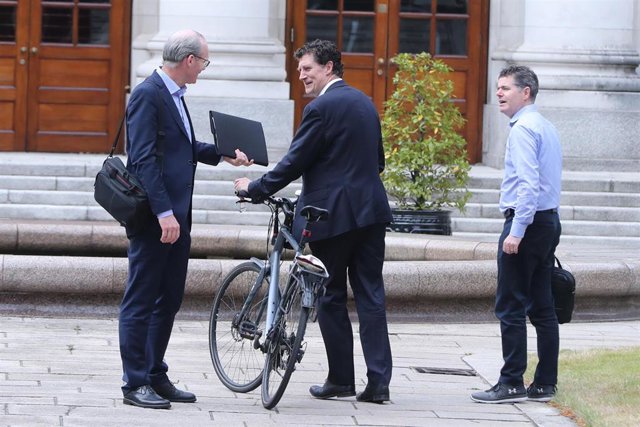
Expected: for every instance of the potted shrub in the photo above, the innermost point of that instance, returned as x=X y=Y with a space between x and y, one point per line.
x=427 y=168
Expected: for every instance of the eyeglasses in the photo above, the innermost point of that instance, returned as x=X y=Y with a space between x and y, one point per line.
x=206 y=62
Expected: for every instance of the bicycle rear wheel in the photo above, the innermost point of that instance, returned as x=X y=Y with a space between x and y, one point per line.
x=284 y=348
x=236 y=360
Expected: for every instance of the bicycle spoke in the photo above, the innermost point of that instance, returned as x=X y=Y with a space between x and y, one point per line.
x=284 y=349
x=236 y=362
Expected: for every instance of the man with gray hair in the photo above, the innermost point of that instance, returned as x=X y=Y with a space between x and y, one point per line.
x=529 y=200
x=163 y=154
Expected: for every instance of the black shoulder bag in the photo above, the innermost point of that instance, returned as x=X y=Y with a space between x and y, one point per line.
x=120 y=192
x=563 y=287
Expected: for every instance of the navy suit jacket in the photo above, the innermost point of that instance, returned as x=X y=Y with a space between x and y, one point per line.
x=338 y=152
x=169 y=185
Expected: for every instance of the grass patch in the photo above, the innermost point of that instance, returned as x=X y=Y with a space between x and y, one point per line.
x=598 y=388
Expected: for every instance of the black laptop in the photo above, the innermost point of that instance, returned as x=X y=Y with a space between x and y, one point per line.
x=231 y=132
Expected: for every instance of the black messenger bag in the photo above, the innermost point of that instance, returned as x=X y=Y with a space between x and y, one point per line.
x=121 y=193
x=563 y=287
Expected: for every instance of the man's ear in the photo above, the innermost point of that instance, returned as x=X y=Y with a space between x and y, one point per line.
x=329 y=67
x=527 y=92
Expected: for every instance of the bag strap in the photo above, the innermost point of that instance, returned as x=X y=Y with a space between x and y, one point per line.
x=117 y=138
x=161 y=135
x=558 y=261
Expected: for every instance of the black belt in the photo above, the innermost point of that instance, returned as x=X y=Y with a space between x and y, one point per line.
x=510 y=212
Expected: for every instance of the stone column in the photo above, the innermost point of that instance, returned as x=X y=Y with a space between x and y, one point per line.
x=247 y=72
x=585 y=53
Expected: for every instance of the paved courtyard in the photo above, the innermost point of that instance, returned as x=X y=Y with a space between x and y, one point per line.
x=66 y=372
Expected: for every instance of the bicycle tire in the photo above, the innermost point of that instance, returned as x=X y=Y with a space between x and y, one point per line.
x=284 y=350
x=236 y=361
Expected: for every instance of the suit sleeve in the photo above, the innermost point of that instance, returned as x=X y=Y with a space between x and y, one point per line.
x=207 y=153
x=142 y=124
x=305 y=148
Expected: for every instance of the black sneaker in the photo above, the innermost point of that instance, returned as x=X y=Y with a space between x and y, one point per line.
x=501 y=393
x=541 y=393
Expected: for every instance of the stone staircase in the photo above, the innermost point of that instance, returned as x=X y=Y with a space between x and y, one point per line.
x=597 y=207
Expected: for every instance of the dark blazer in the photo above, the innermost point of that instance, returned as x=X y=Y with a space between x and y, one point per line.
x=169 y=185
x=338 y=152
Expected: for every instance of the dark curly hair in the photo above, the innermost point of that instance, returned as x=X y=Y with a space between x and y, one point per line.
x=323 y=51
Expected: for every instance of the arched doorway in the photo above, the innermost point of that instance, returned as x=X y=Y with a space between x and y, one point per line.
x=64 y=65
x=370 y=32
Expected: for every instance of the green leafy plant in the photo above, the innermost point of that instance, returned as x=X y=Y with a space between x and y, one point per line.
x=426 y=159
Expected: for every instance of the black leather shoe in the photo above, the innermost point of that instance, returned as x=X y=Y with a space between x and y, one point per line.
x=145 y=397
x=171 y=393
x=374 y=394
x=328 y=390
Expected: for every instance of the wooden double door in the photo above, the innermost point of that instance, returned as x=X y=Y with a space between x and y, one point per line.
x=370 y=33
x=64 y=65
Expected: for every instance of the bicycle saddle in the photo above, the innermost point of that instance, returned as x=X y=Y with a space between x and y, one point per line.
x=313 y=214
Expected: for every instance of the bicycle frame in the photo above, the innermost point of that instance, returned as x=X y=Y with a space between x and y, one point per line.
x=274 y=283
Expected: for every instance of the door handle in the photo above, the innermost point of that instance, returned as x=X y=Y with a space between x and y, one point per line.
x=34 y=50
x=23 y=49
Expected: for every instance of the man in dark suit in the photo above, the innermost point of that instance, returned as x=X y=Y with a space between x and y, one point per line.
x=159 y=252
x=338 y=152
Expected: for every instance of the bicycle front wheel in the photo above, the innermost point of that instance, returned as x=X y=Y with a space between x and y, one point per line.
x=284 y=348
x=233 y=340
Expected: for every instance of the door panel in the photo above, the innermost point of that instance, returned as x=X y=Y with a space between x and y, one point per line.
x=67 y=65
x=13 y=79
x=370 y=33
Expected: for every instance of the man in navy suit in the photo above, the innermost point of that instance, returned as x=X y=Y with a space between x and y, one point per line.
x=159 y=252
x=338 y=152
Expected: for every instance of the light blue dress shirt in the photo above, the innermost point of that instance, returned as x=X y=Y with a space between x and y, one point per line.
x=532 y=168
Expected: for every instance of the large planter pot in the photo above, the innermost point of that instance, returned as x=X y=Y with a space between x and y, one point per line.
x=423 y=222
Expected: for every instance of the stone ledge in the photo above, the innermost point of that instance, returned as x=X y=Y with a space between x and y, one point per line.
x=86 y=238
x=405 y=281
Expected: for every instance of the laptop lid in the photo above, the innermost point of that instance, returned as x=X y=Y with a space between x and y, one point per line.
x=231 y=132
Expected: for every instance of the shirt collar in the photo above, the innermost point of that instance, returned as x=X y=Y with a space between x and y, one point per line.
x=324 y=89
x=526 y=109
x=172 y=86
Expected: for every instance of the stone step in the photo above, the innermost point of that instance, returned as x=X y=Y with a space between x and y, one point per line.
x=218 y=179
x=570 y=227
x=569 y=198
x=229 y=203
x=573 y=181
x=579 y=213
x=630 y=244
x=258 y=215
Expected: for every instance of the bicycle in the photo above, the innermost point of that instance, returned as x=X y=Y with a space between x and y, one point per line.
x=257 y=326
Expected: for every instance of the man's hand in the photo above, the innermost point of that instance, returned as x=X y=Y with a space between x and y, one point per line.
x=241 y=184
x=170 y=229
x=510 y=244
x=240 y=160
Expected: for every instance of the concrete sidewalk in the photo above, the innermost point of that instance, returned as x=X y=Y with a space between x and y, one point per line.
x=66 y=372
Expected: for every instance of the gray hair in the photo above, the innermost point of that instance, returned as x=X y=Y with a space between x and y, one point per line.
x=523 y=76
x=180 y=45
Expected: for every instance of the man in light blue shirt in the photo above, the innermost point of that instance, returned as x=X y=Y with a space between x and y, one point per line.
x=529 y=200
